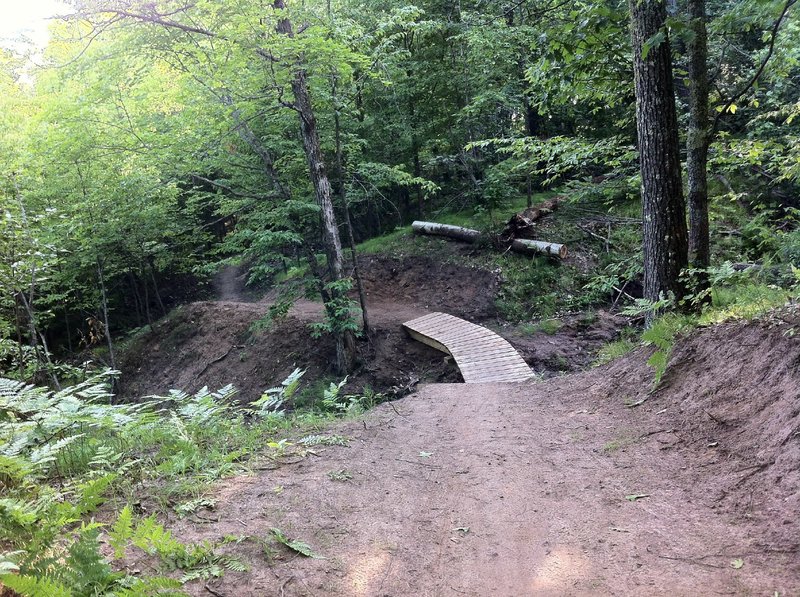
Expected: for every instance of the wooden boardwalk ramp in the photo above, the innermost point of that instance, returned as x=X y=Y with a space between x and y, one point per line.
x=481 y=355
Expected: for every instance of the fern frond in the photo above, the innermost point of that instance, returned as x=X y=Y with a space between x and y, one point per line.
x=300 y=547
x=156 y=586
x=121 y=532
x=31 y=586
x=86 y=568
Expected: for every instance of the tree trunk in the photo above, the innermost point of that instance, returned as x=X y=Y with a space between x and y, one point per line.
x=345 y=340
x=136 y=300
x=104 y=305
x=362 y=297
x=665 y=243
x=698 y=137
x=147 y=303
x=155 y=288
x=524 y=245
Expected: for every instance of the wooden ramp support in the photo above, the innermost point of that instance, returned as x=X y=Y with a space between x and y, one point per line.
x=481 y=355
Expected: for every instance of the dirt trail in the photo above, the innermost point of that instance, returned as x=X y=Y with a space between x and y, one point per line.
x=502 y=490
x=549 y=488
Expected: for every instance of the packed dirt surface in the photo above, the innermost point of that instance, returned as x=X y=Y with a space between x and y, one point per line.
x=229 y=341
x=552 y=488
x=584 y=484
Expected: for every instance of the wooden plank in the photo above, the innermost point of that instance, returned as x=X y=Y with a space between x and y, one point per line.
x=429 y=341
x=482 y=355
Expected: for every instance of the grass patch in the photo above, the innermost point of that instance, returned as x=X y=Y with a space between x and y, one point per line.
x=618 y=444
x=614 y=350
x=545 y=326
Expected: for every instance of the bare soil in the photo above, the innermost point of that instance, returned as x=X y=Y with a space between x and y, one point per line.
x=549 y=488
x=583 y=484
x=214 y=343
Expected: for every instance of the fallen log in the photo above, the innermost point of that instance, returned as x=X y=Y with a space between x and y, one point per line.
x=457 y=232
x=521 y=224
x=522 y=245
x=527 y=246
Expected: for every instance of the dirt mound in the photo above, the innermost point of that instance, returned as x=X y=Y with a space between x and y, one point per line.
x=432 y=285
x=214 y=343
x=217 y=343
x=546 y=488
x=731 y=399
x=571 y=347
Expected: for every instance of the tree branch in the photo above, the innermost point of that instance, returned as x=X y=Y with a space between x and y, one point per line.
x=754 y=78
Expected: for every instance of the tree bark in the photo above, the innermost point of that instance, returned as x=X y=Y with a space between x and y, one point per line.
x=457 y=232
x=345 y=340
x=524 y=245
x=362 y=296
x=104 y=305
x=665 y=243
x=527 y=246
x=698 y=138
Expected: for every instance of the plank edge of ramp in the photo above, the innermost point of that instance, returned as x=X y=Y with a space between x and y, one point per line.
x=442 y=332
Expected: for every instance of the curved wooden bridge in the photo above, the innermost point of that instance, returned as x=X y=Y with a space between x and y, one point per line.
x=481 y=355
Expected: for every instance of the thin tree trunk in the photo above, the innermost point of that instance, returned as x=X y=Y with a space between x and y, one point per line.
x=698 y=137
x=136 y=300
x=147 y=304
x=66 y=324
x=665 y=243
x=104 y=304
x=345 y=340
x=362 y=297
x=155 y=289
x=20 y=351
x=36 y=337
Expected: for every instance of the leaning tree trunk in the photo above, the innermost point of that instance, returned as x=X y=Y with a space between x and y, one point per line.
x=698 y=137
x=664 y=233
x=345 y=339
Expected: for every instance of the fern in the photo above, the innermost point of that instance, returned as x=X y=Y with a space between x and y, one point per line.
x=273 y=399
x=121 y=532
x=192 y=506
x=153 y=539
x=324 y=440
x=8 y=562
x=156 y=586
x=31 y=586
x=304 y=549
x=87 y=570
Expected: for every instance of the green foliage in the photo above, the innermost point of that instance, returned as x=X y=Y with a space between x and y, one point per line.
x=304 y=549
x=31 y=586
x=340 y=310
x=273 y=399
x=662 y=335
x=324 y=440
x=614 y=350
x=66 y=453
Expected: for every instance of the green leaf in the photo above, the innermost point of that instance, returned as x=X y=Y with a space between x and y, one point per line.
x=636 y=496
x=30 y=586
x=300 y=547
x=653 y=42
x=121 y=532
x=737 y=563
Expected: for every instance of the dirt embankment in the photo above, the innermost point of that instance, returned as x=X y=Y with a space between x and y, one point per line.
x=214 y=343
x=549 y=488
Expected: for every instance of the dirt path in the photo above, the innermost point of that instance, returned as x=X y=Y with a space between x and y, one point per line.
x=497 y=490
